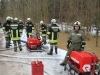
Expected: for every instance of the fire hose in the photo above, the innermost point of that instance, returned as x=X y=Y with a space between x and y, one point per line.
x=21 y=57
x=27 y=63
x=6 y=49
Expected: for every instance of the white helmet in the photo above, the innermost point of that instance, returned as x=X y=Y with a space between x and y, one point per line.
x=28 y=19
x=20 y=20
x=8 y=18
x=11 y=18
x=15 y=18
x=41 y=22
x=77 y=23
x=53 y=21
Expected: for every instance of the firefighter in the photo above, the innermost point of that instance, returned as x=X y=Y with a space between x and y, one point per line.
x=53 y=33
x=6 y=27
x=44 y=31
x=15 y=34
x=76 y=41
x=21 y=24
x=29 y=27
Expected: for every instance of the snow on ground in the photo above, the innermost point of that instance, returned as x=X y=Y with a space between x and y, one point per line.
x=19 y=63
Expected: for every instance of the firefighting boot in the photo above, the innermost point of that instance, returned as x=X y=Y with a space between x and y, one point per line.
x=50 y=52
x=21 y=49
x=15 y=48
x=56 y=51
x=62 y=64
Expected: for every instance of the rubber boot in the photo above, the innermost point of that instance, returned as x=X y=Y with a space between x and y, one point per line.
x=50 y=52
x=62 y=64
x=56 y=51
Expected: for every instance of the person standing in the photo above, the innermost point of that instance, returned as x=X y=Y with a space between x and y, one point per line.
x=6 y=27
x=21 y=24
x=15 y=34
x=76 y=41
x=53 y=33
x=29 y=27
x=43 y=31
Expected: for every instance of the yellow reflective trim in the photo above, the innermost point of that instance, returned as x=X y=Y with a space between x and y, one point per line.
x=52 y=36
x=53 y=41
x=16 y=33
x=12 y=33
x=14 y=24
x=83 y=45
x=48 y=33
x=43 y=34
x=55 y=27
x=3 y=28
x=32 y=27
x=17 y=38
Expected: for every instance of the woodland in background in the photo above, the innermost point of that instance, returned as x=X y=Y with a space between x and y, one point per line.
x=85 y=11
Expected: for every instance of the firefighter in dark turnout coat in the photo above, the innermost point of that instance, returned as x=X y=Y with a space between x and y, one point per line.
x=21 y=24
x=53 y=33
x=15 y=34
x=29 y=27
x=6 y=27
x=44 y=31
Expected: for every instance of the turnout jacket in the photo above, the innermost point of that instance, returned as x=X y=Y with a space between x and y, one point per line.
x=15 y=31
x=6 y=27
x=29 y=27
x=21 y=25
x=53 y=33
x=43 y=29
x=76 y=37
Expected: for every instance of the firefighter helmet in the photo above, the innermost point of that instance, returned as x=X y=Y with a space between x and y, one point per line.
x=77 y=23
x=53 y=21
x=11 y=18
x=8 y=18
x=41 y=22
x=20 y=20
x=28 y=19
x=15 y=18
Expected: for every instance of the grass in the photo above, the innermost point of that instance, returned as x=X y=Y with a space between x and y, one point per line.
x=90 y=44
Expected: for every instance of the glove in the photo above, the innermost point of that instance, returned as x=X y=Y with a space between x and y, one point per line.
x=82 y=48
x=83 y=45
x=68 y=46
x=68 y=42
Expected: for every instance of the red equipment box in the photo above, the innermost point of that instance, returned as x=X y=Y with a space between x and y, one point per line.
x=37 y=68
x=82 y=61
x=33 y=43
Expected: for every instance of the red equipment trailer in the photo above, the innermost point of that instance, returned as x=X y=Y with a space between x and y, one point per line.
x=82 y=63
